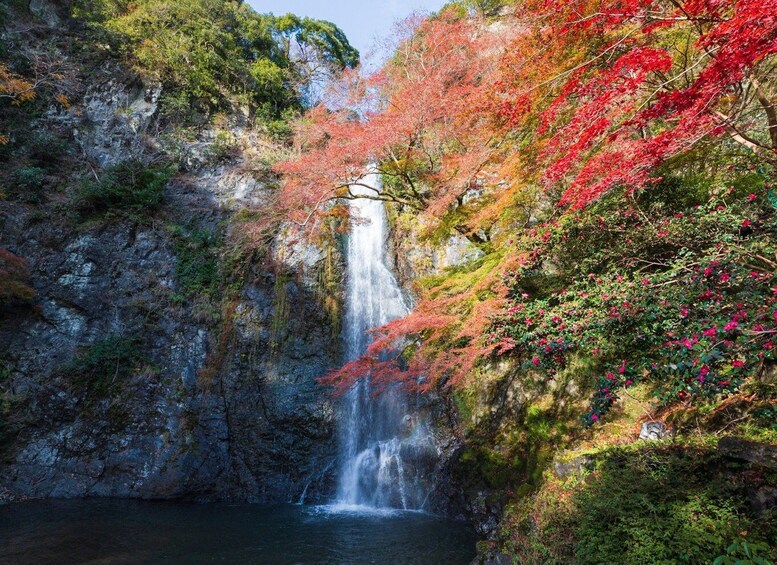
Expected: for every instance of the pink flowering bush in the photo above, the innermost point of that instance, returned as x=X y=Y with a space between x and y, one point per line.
x=685 y=301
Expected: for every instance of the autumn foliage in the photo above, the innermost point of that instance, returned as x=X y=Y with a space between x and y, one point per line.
x=481 y=126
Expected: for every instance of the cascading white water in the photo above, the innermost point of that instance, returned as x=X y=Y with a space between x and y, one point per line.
x=385 y=448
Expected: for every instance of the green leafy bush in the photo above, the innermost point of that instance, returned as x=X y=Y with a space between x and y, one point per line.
x=222 y=147
x=99 y=369
x=742 y=552
x=129 y=188
x=658 y=505
x=642 y=504
x=679 y=299
x=27 y=182
x=197 y=267
x=46 y=149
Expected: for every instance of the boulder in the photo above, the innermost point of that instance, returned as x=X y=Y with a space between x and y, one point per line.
x=653 y=431
x=764 y=499
x=741 y=449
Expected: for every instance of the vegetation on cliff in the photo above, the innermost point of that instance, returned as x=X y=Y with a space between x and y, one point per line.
x=207 y=53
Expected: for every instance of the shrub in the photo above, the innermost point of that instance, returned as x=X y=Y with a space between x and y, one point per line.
x=99 y=369
x=742 y=552
x=130 y=187
x=222 y=147
x=45 y=149
x=643 y=504
x=28 y=182
x=680 y=299
x=207 y=52
x=197 y=267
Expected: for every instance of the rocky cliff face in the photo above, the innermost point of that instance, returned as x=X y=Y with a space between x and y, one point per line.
x=210 y=397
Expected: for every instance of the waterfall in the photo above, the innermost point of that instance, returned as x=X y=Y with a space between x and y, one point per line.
x=386 y=447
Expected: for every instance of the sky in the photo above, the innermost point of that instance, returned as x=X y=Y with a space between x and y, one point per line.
x=362 y=20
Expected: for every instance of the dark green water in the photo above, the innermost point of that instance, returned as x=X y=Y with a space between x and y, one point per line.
x=122 y=531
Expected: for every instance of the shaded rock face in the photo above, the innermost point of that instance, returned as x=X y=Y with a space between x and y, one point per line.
x=214 y=406
x=48 y=11
x=262 y=430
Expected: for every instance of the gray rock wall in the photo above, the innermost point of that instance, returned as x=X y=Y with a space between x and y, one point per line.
x=214 y=406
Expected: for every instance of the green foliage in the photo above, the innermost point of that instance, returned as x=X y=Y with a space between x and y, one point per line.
x=32 y=159
x=46 y=149
x=481 y=463
x=197 y=268
x=281 y=310
x=210 y=52
x=654 y=506
x=101 y=368
x=485 y=7
x=222 y=147
x=742 y=552
x=643 y=504
x=325 y=37
x=129 y=188
x=278 y=127
x=27 y=183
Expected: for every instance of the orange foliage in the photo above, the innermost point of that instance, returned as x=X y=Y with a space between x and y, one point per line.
x=419 y=124
x=14 y=87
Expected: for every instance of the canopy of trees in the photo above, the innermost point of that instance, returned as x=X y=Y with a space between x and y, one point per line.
x=205 y=51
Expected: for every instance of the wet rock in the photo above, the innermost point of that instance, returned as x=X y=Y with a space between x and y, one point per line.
x=653 y=431
x=486 y=513
x=764 y=500
x=246 y=423
x=741 y=449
